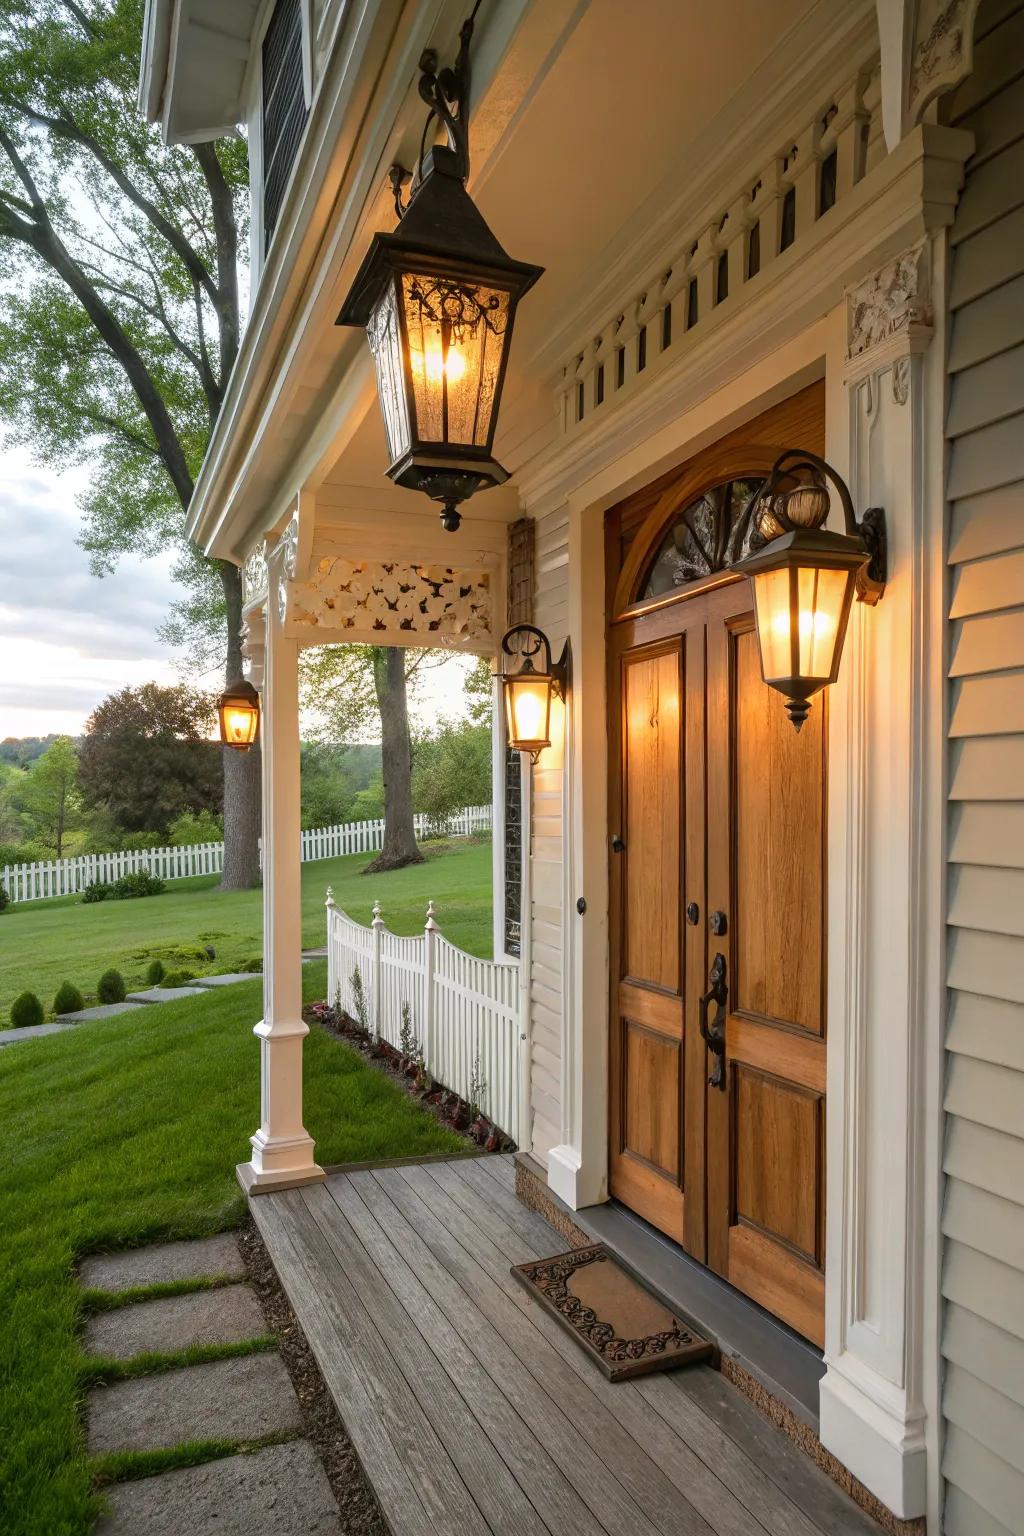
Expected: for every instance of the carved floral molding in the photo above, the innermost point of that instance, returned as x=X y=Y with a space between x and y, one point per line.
x=943 y=51
x=254 y=575
x=435 y=603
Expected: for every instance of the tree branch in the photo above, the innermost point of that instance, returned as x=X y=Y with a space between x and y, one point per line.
x=226 y=229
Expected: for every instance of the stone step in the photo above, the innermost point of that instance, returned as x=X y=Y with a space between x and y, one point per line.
x=165 y=994
x=229 y=979
x=203 y=1258
x=281 y=1488
x=240 y=1399
x=228 y=1314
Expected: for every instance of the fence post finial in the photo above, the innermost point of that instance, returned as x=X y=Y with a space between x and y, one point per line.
x=330 y=902
x=378 y=921
x=431 y=924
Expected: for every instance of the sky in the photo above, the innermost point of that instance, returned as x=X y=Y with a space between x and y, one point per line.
x=69 y=638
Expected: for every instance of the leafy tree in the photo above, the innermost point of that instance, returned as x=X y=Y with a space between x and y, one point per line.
x=147 y=756
x=452 y=769
x=119 y=314
x=364 y=688
x=327 y=786
x=50 y=797
x=195 y=827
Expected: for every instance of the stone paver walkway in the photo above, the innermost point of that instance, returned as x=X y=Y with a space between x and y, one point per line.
x=242 y=1399
x=282 y=1488
x=140 y=999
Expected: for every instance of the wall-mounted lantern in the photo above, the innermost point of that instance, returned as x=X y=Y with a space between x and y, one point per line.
x=238 y=711
x=805 y=577
x=438 y=300
x=528 y=692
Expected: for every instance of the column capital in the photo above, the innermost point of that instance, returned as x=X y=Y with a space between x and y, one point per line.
x=889 y=314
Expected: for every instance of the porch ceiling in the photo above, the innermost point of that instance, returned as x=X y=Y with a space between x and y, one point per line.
x=580 y=139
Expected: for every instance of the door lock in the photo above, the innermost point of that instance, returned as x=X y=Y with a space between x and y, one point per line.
x=618 y=846
x=714 y=1033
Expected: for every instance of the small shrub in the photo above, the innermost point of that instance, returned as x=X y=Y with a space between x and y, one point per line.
x=98 y=891
x=155 y=973
x=254 y=964
x=178 y=978
x=111 y=988
x=5 y=899
x=407 y=1041
x=359 y=999
x=195 y=827
x=26 y=1011
x=477 y=1087
x=141 y=883
x=68 y=999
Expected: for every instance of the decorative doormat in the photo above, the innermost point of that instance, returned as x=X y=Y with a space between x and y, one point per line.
x=625 y=1329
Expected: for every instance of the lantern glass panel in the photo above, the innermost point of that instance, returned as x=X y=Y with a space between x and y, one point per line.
x=528 y=710
x=238 y=723
x=456 y=335
x=384 y=334
x=801 y=618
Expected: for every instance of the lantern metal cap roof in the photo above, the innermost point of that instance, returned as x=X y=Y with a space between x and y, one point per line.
x=442 y=229
x=811 y=546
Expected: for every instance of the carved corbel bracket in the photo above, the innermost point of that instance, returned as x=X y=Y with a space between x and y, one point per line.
x=254 y=635
x=889 y=320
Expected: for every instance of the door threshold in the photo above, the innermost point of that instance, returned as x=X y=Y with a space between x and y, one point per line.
x=786 y=1367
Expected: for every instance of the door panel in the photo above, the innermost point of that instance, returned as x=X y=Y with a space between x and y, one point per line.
x=647 y=1069
x=766 y=853
x=777 y=852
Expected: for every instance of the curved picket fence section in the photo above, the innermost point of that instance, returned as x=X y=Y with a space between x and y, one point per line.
x=462 y=1011
x=68 y=877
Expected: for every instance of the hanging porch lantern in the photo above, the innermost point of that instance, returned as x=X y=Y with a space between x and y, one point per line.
x=238 y=711
x=438 y=299
x=805 y=577
x=528 y=692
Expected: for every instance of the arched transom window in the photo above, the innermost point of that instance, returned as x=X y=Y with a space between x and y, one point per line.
x=710 y=534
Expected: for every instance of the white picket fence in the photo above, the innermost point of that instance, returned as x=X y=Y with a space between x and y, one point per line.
x=464 y=1011
x=66 y=877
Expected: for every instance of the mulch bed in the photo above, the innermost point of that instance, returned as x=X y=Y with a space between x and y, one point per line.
x=321 y=1423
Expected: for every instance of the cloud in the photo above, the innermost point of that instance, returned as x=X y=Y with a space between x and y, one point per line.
x=68 y=638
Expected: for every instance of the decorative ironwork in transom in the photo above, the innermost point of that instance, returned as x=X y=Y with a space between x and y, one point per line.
x=710 y=534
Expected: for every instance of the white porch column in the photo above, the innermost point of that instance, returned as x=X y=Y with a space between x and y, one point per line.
x=879 y=1398
x=282 y=1149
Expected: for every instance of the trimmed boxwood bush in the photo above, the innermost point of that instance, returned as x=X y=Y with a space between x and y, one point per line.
x=111 y=988
x=5 y=899
x=98 y=891
x=178 y=978
x=68 y=999
x=142 y=883
x=26 y=1011
x=155 y=973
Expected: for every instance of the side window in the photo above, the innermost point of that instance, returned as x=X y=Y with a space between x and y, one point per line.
x=285 y=108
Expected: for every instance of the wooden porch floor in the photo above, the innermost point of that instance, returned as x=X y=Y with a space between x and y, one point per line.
x=472 y=1411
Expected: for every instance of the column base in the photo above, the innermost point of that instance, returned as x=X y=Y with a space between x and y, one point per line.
x=573 y=1181
x=279 y=1163
x=883 y=1450
x=254 y=1182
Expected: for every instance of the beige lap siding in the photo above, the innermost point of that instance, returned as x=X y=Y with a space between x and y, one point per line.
x=546 y=856
x=983 y=1218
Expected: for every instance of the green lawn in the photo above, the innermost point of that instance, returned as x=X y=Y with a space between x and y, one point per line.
x=127 y=1131
x=43 y=943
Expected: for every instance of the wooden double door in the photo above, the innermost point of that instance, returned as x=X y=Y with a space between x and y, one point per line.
x=717 y=812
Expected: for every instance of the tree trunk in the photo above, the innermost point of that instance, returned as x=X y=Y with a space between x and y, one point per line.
x=399 y=846
x=242 y=770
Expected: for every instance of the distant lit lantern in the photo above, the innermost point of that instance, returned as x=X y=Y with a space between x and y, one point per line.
x=437 y=299
x=805 y=577
x=239 y=711
x=529 y=691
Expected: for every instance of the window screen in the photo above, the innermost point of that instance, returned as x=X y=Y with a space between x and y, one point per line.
x=284 y=106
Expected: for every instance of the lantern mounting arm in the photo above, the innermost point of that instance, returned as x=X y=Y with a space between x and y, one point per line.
x=558 y=670
x=870 y=530
x=446 y=93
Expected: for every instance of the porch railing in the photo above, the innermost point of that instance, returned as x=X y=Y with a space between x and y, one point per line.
x=68 y=877
x=463 y=1011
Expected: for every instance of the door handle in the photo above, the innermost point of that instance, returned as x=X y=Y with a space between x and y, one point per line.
x=714 y=1033
x=618 y=846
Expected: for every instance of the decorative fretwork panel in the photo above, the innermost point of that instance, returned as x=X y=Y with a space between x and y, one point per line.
x=402 y=602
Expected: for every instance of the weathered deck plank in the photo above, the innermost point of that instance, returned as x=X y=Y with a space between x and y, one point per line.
x=472 y=1410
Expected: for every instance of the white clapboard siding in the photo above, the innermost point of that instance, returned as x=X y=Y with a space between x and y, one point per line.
x=462 y=1011
x=983 y=1213
x=67 y=877
x=547 y=960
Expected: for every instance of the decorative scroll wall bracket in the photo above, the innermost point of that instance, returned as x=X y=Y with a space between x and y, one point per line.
x=889 y=320
x=446 y=93
x=253 y=636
